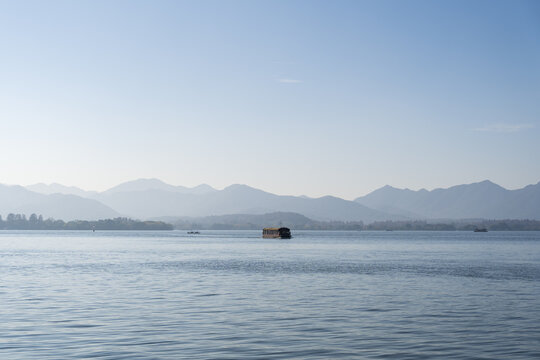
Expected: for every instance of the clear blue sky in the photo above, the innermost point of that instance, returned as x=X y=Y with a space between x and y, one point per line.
x=293 y=97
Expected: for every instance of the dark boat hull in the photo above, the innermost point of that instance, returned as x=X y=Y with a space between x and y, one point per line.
x=275 y=233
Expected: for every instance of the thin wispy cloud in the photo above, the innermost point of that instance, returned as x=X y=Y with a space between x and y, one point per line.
x=289 y=81
x=504 y=128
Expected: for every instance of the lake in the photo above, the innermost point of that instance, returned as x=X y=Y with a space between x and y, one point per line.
x=234 y=295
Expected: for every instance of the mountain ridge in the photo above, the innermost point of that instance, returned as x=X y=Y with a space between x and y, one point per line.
x=151 y=198
x=483 y=199
x=17 y=199
x=237 y=198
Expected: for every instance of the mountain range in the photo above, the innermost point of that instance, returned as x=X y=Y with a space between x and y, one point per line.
x=18 y=200
x=256 y=222
x=153 y=198
x=478 y=200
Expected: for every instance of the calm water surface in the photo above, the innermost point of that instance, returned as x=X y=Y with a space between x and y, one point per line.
x=233 y=295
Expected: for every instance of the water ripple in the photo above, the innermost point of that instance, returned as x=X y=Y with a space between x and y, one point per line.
x=234 y=296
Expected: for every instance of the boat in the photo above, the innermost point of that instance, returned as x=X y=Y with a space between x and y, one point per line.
x=480 y=230
x=276 y=233
x=193 y=232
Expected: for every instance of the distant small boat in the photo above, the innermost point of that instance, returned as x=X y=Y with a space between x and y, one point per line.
x=277 y=233
x=193 y=232
x=480 y=230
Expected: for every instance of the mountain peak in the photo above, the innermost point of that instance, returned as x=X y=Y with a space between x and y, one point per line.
x=235 y=187
x=140 y=185
x=483 y=199
x=201 y=189
x=144 y=184
x=151 y=181
x=487 y=184
x=386 y=188
x=204 y=187
x=56 y=188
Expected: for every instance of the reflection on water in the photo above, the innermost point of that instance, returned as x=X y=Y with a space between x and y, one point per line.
x=230 y=295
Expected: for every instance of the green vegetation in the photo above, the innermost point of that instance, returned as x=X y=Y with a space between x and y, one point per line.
x=257 y=222
x=34 y=222
x=296 y=221
x=464 y=225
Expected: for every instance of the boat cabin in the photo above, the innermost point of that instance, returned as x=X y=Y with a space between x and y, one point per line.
x=277 y=233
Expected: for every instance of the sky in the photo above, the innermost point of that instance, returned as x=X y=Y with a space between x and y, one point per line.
x=293 y=97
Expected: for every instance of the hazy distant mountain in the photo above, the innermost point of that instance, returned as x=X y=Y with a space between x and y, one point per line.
x=152 y=198
x=17 y=199
x=156 y=184
x=244 y=221
x=55 y=188
x=257 y=222
x=478 y=200
x=235 y=199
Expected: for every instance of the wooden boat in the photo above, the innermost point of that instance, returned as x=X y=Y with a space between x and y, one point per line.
x=276 y=233
x=480 y=230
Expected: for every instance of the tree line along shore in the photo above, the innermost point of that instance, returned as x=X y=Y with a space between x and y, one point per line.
x=36 y=222
x=464 y=225
x=257 y=222
x=298 y=222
